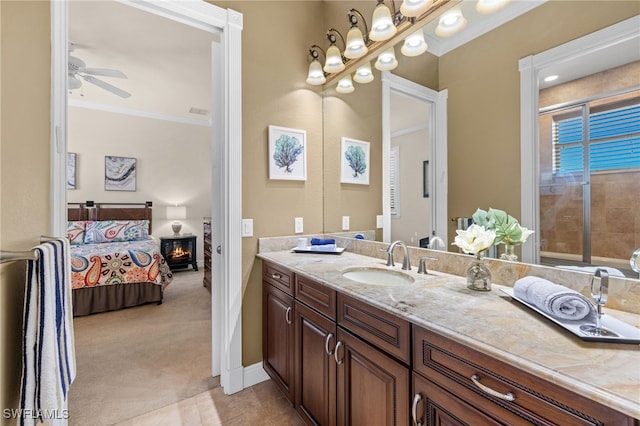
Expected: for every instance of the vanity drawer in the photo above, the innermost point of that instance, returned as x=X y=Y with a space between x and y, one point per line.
x=278 y=276
x=317 y=296
x=381 y=329
x=536 y=401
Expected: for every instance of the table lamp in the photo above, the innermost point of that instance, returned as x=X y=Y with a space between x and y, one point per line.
x=176 y=213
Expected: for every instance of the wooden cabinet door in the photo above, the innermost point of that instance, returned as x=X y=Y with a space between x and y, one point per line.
x=433 y=406
x=278 y=338
x=315 y=366
x=372 y=388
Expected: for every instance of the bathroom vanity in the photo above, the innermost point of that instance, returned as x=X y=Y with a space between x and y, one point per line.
x=430 y=352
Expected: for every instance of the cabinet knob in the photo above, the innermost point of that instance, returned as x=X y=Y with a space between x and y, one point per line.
x=506 y=396
x=414 y=410
x=219 y=249
x=276 y=276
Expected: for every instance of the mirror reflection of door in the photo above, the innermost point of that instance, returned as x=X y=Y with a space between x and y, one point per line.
x=589 y=133
x=410 y=148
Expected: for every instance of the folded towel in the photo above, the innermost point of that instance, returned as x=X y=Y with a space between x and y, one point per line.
x=322 y=241
x=556 y=300
x=324 y=247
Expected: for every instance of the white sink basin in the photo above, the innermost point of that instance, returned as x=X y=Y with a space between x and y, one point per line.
x=377 y=276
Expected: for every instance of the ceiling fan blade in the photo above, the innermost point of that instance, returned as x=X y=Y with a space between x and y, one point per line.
x=106 y=86
x=104 y=72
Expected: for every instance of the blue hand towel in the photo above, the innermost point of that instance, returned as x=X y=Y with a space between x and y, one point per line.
x=322 y=241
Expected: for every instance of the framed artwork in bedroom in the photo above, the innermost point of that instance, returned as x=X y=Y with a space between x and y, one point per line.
x=119 y=173
x=71 y=170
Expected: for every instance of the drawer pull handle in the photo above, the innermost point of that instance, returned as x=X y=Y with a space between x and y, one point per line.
x=414 y=410
x=287 y=315
x=276 y=276
x=335 y=353
x=506 y=396
x=326 y=344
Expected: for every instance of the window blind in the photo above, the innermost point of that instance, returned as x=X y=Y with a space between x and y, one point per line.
x=614 y=141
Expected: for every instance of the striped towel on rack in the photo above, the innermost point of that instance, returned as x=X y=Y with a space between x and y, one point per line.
x=48 y=360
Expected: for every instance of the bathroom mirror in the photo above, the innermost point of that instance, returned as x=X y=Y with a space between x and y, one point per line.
x=476 y=136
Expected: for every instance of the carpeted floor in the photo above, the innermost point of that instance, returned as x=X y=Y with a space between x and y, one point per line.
x=140 y=359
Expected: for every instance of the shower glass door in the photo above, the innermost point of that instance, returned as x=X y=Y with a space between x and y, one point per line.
x=589 y=182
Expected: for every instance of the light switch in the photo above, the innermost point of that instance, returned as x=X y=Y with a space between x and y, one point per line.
x=299 y=225
x=247 y=227
x=379 y=221
x=345 y=223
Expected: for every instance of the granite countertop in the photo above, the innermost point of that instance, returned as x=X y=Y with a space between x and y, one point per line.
x=492 y=323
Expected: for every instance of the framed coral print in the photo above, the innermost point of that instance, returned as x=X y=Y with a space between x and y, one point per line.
x=355 y=163
x=71 y=170
x=287 y=153
x=119 y=173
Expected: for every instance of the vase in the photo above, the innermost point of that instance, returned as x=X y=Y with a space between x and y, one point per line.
x=478 y=275
x=509 y=253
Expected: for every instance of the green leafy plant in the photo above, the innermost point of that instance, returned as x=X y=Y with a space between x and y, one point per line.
x=507 y=228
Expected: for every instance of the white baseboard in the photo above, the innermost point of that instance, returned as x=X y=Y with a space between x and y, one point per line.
x=254 y=374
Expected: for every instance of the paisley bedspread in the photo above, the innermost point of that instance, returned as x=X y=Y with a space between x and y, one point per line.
x=118 y=263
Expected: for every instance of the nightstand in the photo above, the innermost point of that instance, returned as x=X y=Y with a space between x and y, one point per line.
x=179 y=251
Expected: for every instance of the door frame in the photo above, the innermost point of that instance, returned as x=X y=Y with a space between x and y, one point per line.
x=530 y=68
x=226 y=297
x=438 y=172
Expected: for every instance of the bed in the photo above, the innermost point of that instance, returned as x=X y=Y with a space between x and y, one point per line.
x=115 y=263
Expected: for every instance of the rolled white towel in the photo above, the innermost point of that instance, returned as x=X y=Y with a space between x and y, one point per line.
x=556 y=300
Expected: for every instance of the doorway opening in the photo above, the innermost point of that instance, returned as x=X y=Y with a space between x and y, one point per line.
x=414 y=162
x=226 y=169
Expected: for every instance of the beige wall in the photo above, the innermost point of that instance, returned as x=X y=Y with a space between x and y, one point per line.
x=173 y=164
x=484 y=99
x=24 y=166
x=275 y=39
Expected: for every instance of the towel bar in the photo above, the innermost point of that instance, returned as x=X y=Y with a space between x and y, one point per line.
x=12 y=256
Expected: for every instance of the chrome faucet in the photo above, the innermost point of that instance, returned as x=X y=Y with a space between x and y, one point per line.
x=436 y=243
x=406 y=264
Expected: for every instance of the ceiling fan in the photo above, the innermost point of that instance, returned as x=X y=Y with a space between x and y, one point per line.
x=78 y=70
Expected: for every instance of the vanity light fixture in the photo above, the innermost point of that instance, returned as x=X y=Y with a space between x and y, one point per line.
x=414 y=45
x=389 y=26
x=490 y=6
x=363 y=74
x=387 y=60
x=382 y=24
x=356 y=46
x=345 y=85
x=450 y=23
x=316 y=75
x=333 y=62
x=413 y=8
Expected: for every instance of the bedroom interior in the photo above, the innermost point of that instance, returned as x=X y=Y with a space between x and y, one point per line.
x=164 y=125
x=257 y=191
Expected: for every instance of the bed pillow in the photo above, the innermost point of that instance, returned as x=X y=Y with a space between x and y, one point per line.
x=106 y=231
x=75 y=231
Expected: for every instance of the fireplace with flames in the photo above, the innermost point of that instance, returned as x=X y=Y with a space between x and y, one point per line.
x=179 y=251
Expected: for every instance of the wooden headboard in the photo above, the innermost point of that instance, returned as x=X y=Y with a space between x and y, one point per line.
x=90 y=210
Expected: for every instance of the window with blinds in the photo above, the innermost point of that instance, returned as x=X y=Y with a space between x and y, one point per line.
x=612 y=139
x=394 y=181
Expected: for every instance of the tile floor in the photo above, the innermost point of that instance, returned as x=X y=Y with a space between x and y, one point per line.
x=262 y=404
